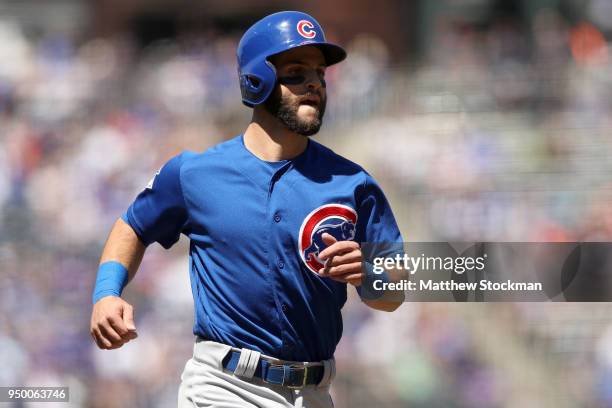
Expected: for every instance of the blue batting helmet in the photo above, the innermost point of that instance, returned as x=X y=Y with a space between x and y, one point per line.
x=272 y=35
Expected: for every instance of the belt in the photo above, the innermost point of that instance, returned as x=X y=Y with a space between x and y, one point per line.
x=292 y=375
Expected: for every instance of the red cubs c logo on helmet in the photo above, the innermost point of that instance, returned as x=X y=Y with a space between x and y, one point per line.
x=306 y=29
x=336 y=220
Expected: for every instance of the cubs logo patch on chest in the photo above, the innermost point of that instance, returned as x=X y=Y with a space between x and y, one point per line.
x=336 y=220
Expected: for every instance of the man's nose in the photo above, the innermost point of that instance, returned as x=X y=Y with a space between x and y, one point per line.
x=314 y=81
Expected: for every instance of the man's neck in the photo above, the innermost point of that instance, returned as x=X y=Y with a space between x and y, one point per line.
x=270 y=140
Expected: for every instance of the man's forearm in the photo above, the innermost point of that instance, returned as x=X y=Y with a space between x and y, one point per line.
x=123 y=246
x=389 y=300
x=382 y=305
x=112 y=318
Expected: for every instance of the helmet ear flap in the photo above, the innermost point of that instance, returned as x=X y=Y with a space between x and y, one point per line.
x=257 y=84
x=252 y=83
x=250 y=88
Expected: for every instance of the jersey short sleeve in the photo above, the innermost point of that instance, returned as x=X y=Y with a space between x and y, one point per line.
x=377 y=232
x=159 y=214
x=376 y=223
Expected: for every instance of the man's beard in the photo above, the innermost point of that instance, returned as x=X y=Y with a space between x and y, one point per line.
x=287 y=112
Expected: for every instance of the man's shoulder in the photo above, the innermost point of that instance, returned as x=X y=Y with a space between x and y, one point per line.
x=220 y=151
x=226 y=147
x=334 y=162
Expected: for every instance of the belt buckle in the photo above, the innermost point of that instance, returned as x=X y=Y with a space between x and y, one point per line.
x=286 y=372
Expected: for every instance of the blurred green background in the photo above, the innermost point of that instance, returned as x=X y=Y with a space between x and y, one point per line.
x=482 y=120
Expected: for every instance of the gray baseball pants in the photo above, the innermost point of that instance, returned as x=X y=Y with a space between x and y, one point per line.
x=205 y=383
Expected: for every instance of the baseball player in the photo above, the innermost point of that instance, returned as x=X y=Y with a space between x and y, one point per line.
x=275 y=221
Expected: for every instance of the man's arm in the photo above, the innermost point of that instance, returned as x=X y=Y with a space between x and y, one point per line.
x=112 y=318
x=382 y=305
x=344 y=264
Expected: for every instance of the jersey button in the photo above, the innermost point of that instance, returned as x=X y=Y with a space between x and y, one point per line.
x=281 y=264
x=277 y=218
x=284 y=307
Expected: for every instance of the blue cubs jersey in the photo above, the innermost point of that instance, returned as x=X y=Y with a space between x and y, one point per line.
x=255 y=234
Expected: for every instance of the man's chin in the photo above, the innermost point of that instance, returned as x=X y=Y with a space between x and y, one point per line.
x=305 y=120
x=309 y=126
x=308 y=132
x=308 y=120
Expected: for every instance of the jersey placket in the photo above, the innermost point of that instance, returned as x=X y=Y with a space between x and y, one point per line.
x=276 y=256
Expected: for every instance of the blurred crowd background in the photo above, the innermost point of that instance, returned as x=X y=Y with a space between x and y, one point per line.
x=482 y=120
